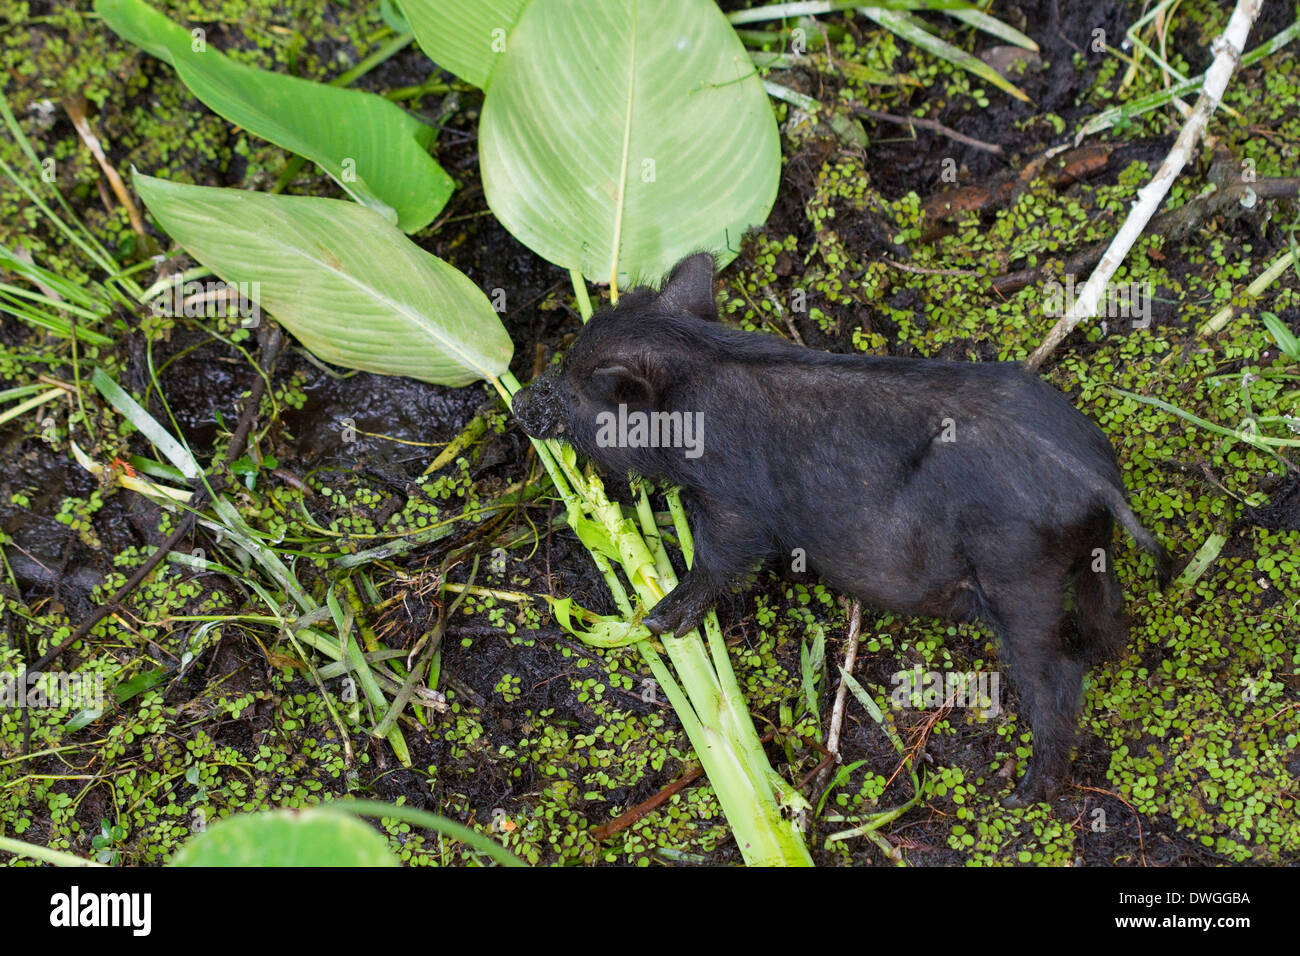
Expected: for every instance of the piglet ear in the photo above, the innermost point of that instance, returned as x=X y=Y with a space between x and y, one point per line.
x=689 y=288
x=617 y=384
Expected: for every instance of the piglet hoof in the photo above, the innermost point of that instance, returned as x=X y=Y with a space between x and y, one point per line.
x=672 y=620
x=665 y=618
x=1032 y=789
x=1016 y=800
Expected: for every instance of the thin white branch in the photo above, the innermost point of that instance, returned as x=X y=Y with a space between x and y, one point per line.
x=841 y=695
x=1227 y=54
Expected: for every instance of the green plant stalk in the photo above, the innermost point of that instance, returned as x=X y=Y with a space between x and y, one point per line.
x=233 y=526
x=118 y=279
x=1270 y=275
x=43 y=853
x=734 y=700
x=28 y=405
x=913 y=31
x=877 y=820
x=423 y=818
x=47 y=320
x=724 y=736
x=46 y=301
x=1201 y=561
x=409 y=540
x=1133 y=34
x=21 y=391
x=88 y=245
x=344 y=621
x=1258 y=442
x=813 y=8
x=994 y=27
x=286 y=628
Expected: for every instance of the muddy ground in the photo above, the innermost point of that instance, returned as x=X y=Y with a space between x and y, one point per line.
x=556 y=738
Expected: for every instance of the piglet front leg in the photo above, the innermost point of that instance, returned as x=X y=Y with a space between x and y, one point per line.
x=683 y=608
x=726 y=546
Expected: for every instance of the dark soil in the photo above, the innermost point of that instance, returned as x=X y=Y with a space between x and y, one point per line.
x=203 y=382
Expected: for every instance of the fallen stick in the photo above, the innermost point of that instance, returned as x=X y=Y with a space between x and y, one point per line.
x=1001 y=190
x=933 y=125
x=606 y=830
x=841 y=693
x=1227 y=54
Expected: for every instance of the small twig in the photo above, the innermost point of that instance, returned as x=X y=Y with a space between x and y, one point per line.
x=1059 y=166
x=819 y=772
x=933 y=125
x=625 y=820
x=918 y=270
x=842 y=692
x=75 y=107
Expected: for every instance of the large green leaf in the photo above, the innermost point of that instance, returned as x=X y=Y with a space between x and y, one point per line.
x=311 y=837
x=352 y=288
x=466 y=37
x=375 y=150
x=621 y=135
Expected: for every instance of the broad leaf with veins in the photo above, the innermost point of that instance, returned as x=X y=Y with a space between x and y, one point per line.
x=351 y=287
x=619 y=136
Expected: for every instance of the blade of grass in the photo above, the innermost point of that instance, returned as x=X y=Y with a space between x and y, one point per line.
x=913 y=31
x=1219 y=321
x=83 y=240
x=994 y=27
x=430 y=821
x=43 y=853
x=812 y=8
x=1201 y=561
x=1258 y=442
x=146 y=424
x=1144 y=104
x=24 y=407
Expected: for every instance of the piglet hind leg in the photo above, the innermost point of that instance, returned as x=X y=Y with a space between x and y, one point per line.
x=1027 y=616
x=1103 y=625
